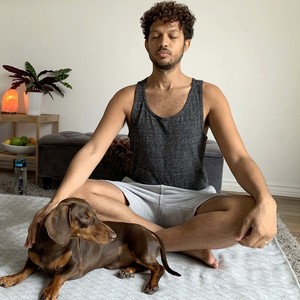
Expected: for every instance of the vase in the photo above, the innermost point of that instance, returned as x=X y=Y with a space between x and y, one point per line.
x=33 y=103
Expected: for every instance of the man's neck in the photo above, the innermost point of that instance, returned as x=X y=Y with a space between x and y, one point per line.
x=167 y=79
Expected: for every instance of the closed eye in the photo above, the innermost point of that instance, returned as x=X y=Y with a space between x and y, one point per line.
x=153 y=37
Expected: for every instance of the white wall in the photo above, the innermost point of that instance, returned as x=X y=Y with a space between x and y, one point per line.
x=250 y=49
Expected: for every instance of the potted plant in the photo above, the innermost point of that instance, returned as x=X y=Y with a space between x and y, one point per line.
x=36 y=85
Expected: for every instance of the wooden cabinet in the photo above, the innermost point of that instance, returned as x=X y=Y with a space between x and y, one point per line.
x=15 y=119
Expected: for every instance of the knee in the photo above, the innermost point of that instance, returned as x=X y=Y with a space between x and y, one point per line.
x=99 y=189
x=236 y=208
x=240 y=206
x=85 y=190
x=236 y=204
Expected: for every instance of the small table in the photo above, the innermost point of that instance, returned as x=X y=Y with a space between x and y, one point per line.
x=37 y=120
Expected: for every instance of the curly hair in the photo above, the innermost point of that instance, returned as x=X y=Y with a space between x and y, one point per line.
x=169 y=11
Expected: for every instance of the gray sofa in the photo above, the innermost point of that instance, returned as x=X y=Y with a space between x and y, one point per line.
x=57 y=150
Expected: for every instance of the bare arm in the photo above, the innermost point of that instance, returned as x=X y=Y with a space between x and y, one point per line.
x=85 y=161
x=262 y=220
x=91 y=154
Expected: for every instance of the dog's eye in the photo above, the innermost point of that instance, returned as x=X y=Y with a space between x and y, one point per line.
x=84 y=220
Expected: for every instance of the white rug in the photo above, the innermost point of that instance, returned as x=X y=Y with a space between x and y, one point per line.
x=243 y=274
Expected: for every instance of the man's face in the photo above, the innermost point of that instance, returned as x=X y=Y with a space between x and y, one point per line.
x=166 y=44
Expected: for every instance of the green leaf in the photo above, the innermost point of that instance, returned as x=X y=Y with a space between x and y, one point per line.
x=66 y=85
x=43 y=82
x=55 y=87
x=30 y=69
x=61 y=77
x=30 y=87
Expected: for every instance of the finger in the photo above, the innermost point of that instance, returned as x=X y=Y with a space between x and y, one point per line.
x=254 y=240
x=257 y=240
x=243 y=243
x=27 y=243
x=263 y=244
x=32 y=230
x=245 y=231
x=31 y=235
x=43 y=212
x=265 y=241
x=29 y=239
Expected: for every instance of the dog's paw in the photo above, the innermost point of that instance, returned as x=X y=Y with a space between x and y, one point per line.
x=49 y=294
x=125 y=273
x=151 y=290
x=8 y=281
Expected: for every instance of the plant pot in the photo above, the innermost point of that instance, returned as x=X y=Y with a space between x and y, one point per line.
x=33 y=103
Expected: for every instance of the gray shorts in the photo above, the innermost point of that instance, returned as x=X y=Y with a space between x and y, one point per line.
x=164 y=205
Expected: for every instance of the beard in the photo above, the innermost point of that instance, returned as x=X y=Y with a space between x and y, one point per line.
x=166 y=65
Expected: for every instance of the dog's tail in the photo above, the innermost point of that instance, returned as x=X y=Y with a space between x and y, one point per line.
x=164 y=256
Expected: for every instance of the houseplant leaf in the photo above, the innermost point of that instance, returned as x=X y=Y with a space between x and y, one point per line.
x=15 y=70
x=44 y=82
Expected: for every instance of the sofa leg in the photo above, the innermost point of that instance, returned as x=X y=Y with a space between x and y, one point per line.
x=47 y=183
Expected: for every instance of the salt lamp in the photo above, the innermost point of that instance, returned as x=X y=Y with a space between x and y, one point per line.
x=10 y=102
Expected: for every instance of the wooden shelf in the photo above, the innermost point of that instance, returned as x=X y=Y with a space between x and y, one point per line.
x=7 y=158
x=23 y=118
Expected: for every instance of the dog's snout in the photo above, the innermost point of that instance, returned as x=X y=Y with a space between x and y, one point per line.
x=112 y=236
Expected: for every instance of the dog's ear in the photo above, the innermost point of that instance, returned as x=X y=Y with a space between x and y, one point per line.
x=57 y=225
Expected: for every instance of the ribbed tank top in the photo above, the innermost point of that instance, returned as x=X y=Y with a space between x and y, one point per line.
x=170 y=150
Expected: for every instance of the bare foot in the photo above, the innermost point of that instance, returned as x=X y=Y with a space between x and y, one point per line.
x=204 y=255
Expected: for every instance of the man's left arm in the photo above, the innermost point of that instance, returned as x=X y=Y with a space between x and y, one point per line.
x=260 y=224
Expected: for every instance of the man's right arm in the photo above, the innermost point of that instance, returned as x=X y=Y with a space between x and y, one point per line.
x=91 y=154
x=117 y=112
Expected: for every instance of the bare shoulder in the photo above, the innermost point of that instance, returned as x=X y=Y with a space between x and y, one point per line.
x=117 y=112
x=126 y=92
x=120 y=104
x=221 y=122
x=212 y=95
x=124 y=98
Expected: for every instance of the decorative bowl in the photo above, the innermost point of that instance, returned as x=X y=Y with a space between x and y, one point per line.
x=19 y=149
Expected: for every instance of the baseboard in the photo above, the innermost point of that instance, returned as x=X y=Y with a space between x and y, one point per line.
x=276 y=190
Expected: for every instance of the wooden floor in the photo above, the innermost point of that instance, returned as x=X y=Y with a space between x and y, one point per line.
x=289 y=212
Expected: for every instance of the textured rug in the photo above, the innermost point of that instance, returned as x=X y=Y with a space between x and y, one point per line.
x=243 y=274
x=7 y=184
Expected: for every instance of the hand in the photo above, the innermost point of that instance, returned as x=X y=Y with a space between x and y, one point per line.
x=38 y=218
x=259 y=226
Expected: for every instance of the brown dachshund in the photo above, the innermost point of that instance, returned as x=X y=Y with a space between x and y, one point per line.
x=73 y=241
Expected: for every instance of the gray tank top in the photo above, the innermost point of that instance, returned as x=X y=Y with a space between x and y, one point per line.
x=168 y=151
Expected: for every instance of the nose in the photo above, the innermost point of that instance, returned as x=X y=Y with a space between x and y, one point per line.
x=164 y=41
x=112 y=235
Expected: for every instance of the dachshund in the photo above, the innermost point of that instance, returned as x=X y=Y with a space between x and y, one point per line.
x=72 y=241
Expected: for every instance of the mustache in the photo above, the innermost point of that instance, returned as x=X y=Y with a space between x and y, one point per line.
x=162 y=48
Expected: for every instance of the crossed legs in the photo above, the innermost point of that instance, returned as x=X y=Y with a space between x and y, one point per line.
x=214 y=226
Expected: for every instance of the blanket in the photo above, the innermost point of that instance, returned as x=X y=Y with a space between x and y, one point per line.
x=243 y=274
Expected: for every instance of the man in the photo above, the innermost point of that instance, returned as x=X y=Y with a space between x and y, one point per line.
x=168 y=115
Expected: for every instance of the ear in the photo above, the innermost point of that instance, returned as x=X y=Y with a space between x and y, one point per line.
x=187 y=44
x=57 y=225
x=146 y=45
